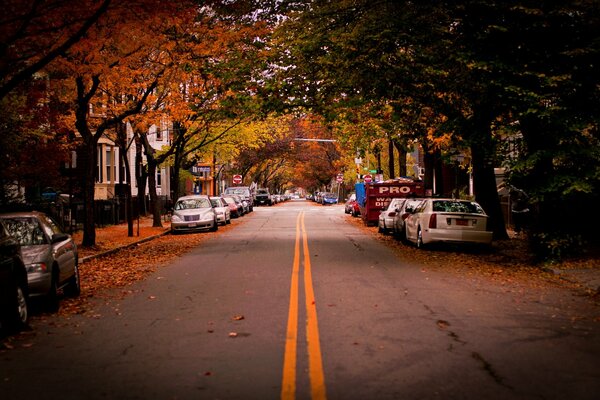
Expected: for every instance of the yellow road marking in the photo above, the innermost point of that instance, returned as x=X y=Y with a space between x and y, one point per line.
x=288 y=385
x=315 y=361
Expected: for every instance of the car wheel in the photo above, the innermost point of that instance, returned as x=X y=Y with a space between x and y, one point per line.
x=52 y=303
x=380 y=229
x=73 y=288
x=215 y=226
x=420 y=244
x=228 y=220
x=18 y=314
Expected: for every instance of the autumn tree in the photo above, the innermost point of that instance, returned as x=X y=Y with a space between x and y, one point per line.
x=113 y=76
x=35 y=33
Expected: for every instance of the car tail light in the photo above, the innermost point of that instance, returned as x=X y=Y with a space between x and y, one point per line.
x=392 y=214
x=433 y=221
x=405 y=215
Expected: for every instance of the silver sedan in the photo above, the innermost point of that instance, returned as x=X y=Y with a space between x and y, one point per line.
x=49 y=255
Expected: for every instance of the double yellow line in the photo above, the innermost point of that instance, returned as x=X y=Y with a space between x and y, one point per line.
x=315 y=361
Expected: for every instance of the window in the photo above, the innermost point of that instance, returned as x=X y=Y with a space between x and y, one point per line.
x=158 y=177
x=99 y=164
x=109 y=177
x=159 y=135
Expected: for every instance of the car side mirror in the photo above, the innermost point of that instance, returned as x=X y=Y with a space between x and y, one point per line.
x=59 y=237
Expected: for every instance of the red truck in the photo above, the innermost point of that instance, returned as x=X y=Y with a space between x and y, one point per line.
x=373 y=198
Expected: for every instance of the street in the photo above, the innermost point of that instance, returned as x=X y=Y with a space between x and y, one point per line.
x=295 y=302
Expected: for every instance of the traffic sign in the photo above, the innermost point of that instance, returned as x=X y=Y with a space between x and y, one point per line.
x=237 y=179
x=368 y=178
x=339 y=178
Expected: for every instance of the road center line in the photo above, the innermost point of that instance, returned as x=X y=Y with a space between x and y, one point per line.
x=315 y=362
x=288 y=385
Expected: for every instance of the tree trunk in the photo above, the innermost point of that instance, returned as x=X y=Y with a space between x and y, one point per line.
x=484 y=178
x=140 y=176
x=154 y=204
x=89 y=181
x=401 y=159
x=126 y=177
x=391 y=158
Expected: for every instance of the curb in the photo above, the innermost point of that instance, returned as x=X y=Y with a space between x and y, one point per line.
x=117 y=249
x=590 y=279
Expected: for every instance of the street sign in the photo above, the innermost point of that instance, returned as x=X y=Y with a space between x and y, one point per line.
x=339 y=178
x=237 y=179
x=368 y=178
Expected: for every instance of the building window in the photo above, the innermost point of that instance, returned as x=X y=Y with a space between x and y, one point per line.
x=99 y=165
x=159 y=135
x=109 y=177
x=158 y=177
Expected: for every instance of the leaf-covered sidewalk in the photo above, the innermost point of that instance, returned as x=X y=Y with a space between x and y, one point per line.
x=115 y=236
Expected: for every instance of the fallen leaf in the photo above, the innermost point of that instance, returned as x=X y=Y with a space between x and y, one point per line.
x=233 y=334
x=238 y=317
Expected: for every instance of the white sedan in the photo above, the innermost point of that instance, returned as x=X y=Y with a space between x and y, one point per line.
x=386 y=217
x=447 y=220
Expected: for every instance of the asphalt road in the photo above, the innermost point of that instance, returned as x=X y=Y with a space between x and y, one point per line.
x=297 y=303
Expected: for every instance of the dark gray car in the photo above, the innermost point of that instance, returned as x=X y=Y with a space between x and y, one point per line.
x=13 y=284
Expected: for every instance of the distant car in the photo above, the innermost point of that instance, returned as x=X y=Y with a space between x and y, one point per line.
x=263 y=197
x=447 y=220
x=329 y=198
x=244 y=192
x=192 y=213
x=242 y=205
x=14 y=290
x=49 y=255
x=348 y=205
x=385 y=223
x=222 y=210
x=234 y=208
x=402 y=213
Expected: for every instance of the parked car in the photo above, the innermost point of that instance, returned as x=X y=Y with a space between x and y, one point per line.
x=14 y=290
x=263 y=197
x=221 y=209
x=49 y=255
x=385 y=223
x=329 y=198
x=234 y=208
x=242 y=205
x=402 y=212
x=244 y=192
x=348 y=205
x=192 y=213
x=447 y=220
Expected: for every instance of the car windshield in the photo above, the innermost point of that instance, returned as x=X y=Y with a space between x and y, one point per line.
x=215 y=202
x=457 y=206
x=188 y=204
x=263 y=191
x=26 y=230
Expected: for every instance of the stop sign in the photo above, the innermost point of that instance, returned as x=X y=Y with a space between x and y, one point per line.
x=368 y=178
x=237 y=179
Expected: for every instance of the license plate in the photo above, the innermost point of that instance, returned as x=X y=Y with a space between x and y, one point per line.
x=462 y=222
x=193 y=224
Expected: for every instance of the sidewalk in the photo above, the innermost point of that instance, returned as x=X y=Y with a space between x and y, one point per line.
x=112 y=238
x=586 y=276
